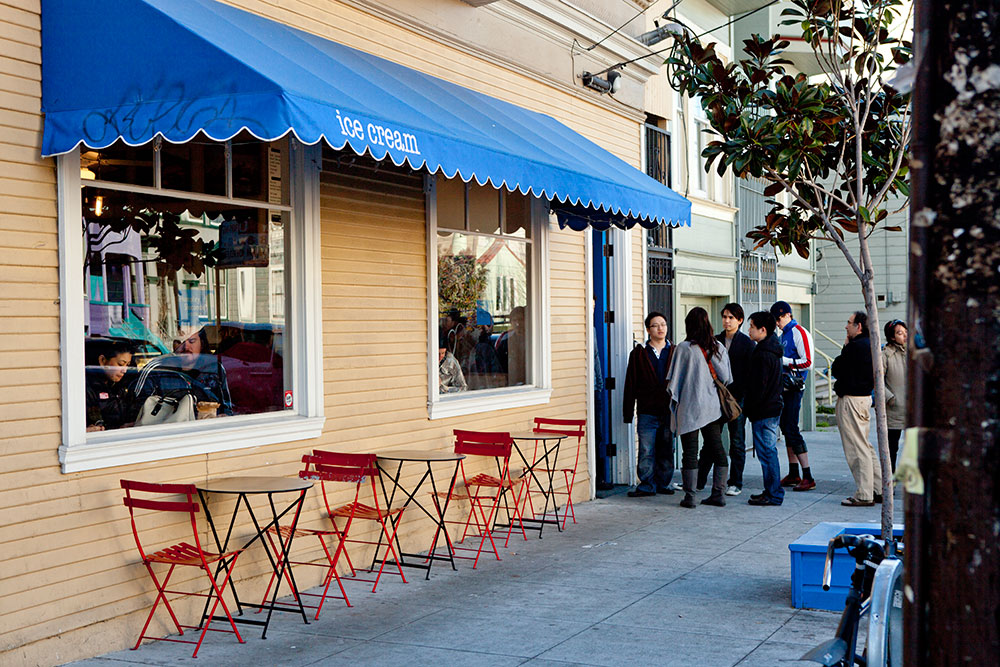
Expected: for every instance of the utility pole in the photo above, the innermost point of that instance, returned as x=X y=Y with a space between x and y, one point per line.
x=952 y=559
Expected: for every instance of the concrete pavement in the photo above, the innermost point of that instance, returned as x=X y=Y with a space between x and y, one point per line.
x=636 y=581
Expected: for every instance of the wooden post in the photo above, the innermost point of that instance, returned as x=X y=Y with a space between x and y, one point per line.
x=952 y=559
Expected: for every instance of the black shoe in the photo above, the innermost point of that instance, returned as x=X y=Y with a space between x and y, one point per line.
x=688 y=501
x=761 y=501
x=636 y=493
x=878 y=498
x=757 y=496
x=715 y=502
x=665 y=490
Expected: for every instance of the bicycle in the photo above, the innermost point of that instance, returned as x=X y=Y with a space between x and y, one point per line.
x=876 y=591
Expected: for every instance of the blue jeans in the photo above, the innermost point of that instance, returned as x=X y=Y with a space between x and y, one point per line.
x=656 y=453
x=765 y=444
x=790 y=422
x=737 y=450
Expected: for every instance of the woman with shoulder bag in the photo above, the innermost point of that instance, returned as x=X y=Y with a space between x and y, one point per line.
x=695 y=406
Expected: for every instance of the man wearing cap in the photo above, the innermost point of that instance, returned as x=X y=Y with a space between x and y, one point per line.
x=796 y=361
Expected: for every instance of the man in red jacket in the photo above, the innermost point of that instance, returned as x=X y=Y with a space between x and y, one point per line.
x=646 y=385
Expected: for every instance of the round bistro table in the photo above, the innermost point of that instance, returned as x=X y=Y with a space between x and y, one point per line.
x=544 y=465
x=243 y=488
x=390 y=463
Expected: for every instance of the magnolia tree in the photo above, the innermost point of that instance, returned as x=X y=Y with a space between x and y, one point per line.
x=833 y=147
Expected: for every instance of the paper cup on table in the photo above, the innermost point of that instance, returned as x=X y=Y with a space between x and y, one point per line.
x=207 y=409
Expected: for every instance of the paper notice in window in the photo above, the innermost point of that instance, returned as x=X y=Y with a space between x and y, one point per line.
x=274 y=175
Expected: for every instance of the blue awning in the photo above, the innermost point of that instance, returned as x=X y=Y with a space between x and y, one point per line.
x=135 y=69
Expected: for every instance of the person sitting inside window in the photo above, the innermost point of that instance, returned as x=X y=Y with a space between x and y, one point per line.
x=450 y=377
x=190 y=369
x=110 y=401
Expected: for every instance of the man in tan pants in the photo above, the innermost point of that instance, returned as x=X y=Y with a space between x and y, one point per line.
x=855 y=381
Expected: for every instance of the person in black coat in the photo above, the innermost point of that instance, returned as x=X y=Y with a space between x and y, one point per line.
x=109 y=377
x=646 y=385
x=762 y=405
x=855 y=382
x=738 y=346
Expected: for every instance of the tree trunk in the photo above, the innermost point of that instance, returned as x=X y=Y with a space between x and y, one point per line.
x=952 y=562
x=881 y=425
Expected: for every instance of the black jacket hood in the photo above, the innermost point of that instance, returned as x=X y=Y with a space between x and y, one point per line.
x=771 y=345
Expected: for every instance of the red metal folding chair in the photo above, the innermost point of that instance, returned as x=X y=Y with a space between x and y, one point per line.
x=484 y=492
x=336 y=467
x=183 y=554
x=571 y=428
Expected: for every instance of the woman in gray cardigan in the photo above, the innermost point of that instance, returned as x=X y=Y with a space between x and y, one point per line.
x=694 y=404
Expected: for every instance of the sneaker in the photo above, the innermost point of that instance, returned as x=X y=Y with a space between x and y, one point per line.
x=665 y=490
x=854 y=502
x=762 y=501
x=805 y=485
x=636 y=493
x=733 y=490
x=788 y=480
x=757 y=496
x=676 y=487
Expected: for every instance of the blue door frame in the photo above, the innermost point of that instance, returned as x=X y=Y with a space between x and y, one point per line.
x=604 y=395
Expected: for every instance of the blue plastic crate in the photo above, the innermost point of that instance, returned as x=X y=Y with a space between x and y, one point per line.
x=808 y=554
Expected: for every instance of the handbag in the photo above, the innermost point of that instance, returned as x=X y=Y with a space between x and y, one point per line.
x=791 y=381
x=158 y=409
x=730 y=406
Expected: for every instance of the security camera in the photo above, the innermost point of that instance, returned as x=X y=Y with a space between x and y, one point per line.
x=615 y=80
x=609 y=85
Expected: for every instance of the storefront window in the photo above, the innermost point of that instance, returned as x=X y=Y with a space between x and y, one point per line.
x=484 y=288
x=184 y=313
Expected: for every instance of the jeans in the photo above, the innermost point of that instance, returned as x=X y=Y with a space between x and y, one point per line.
x=790 y=422
x=737 y=450
x=656 y=453
x=712 y=435
x=765 y=444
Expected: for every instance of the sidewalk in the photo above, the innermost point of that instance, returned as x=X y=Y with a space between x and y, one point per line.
x=636 y=581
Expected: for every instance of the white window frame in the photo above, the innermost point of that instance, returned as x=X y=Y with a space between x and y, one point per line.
x=487 y=400
x=90 y=451
x=701 y=182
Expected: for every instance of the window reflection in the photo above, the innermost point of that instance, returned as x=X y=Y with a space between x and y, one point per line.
x=185 y=310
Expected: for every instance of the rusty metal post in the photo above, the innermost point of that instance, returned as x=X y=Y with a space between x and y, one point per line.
x=952 y=558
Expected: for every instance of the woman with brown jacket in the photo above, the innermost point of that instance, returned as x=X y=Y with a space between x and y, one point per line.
x=894 y=366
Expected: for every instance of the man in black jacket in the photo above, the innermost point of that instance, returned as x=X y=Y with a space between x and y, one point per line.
x=738 y=347
x=645 y=384
x=855 y=381
x=763 y=404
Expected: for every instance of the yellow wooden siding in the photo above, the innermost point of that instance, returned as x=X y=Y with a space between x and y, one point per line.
x=71 y=583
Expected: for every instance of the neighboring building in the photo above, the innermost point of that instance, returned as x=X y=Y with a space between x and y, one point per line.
x=713 y=263
x=325 y=291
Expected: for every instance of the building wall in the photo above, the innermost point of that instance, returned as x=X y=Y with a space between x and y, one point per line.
x=838 y=290
x=71 y=583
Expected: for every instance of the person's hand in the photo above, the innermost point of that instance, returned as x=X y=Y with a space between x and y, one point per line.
x=95 y=427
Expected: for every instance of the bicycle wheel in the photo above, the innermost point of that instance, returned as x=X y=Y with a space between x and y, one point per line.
x=884 y=646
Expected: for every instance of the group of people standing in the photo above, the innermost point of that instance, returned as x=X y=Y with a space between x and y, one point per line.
x=672 y=389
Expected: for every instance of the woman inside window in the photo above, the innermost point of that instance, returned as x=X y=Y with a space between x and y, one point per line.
x=110 y=403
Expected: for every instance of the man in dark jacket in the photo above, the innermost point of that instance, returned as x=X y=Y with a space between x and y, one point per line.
x=738 y=347
x=854 y=385
x=645 y=384
x=762 y=405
